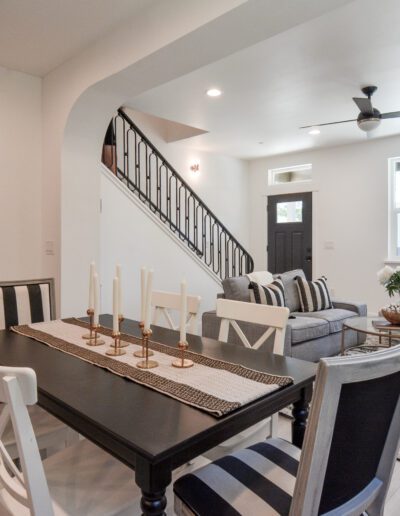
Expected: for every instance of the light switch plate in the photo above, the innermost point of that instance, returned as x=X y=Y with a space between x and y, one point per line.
x=49 y=248
x=329 y=244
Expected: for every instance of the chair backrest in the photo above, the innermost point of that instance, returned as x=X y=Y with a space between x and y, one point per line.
x=352 y=436
x=25 y=302
x=17 y=390
x=166 y=302
x=275 y=317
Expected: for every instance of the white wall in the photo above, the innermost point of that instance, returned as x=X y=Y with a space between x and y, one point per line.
x=129 y=237
x=65 y=92
x=20 y=175
x=351 y=189
x=222 y=181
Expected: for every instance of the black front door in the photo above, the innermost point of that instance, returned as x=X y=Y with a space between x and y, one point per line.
x=290 y=233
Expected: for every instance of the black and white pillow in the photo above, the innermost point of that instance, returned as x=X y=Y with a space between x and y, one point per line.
x=314 y=295
x=272 y=294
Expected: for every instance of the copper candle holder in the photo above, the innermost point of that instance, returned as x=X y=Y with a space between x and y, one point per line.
x=115 y=350
x=89 y=336
x=146 y=363
x=95 y=341
x=121 y=343
x=182 y=362
x=142 y=352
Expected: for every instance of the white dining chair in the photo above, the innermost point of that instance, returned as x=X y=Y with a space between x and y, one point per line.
x=165 y=303
x=81 y=480
x=275 y=317
x=26 y=302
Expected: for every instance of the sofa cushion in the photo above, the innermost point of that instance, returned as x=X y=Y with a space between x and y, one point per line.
x=237 y=288
x=307 y=328
x=291 y=293
x=334 y=317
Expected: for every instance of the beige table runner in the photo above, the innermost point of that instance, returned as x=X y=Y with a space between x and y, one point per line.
x=212 y=385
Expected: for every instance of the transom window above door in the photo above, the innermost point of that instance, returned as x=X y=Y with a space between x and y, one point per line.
x=285 y=175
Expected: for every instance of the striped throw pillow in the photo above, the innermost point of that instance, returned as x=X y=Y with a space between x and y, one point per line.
x=272 y=294
x=314 y=295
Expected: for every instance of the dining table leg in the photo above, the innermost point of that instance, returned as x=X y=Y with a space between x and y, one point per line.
x=300 y=415
x=153 y=481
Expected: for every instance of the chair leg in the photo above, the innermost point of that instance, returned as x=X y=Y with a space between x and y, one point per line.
x=72 y=437
x=274 y=425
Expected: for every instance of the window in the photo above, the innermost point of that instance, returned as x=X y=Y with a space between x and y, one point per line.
x=285 y=175
x=289 y=212
x=394 y=208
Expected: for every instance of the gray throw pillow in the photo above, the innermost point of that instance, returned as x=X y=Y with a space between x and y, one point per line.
x=237 y=288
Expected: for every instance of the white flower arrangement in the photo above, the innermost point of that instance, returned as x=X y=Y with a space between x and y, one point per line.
x=385 y=274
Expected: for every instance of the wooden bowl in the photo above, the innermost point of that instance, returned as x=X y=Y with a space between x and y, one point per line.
x=392 y=317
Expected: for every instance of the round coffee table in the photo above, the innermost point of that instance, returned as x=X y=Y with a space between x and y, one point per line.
x=381 y=329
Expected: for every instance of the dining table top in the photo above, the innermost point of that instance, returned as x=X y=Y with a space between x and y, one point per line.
x=130 y=420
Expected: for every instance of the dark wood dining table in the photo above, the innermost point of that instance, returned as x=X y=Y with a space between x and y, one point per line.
x=150 y=432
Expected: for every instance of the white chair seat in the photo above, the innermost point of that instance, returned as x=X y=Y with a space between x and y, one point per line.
x=50 y=432
x=83 y=480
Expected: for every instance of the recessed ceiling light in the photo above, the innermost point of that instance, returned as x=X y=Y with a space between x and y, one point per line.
x=214 y=92
x=260 y=143
x=314 y=131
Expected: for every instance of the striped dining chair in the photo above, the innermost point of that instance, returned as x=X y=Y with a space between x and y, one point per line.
x=26 y=302
x=346 y=464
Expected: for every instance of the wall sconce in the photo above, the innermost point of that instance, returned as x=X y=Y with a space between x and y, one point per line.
x=195 y=167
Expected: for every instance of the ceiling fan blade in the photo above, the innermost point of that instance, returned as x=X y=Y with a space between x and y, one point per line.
x=328 y=123
x=364 y=105
x=393 y=114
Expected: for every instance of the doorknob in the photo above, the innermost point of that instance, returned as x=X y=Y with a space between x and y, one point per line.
x=308 y=259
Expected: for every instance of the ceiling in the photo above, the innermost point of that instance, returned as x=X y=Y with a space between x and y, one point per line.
x=305 y=75
x=39 y=35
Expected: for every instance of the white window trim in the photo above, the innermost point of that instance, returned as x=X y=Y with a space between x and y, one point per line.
x=392 y=213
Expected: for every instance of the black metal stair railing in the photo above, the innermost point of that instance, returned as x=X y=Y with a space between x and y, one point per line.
x=130 y=155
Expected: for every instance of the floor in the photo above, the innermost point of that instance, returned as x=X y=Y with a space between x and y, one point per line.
x=392 y=507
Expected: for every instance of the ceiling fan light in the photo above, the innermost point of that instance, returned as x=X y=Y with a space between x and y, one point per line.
x=368 y=124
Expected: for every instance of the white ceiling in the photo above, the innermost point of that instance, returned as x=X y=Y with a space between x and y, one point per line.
x=39 y=35
x=305 y=75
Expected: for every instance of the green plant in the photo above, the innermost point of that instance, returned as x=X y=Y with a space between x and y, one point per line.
x=393 y=284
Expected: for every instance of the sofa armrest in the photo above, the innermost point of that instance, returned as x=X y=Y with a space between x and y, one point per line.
x=220 y=295
x=359 y=308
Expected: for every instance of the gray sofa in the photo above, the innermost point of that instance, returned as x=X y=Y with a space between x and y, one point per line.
x=309 y=336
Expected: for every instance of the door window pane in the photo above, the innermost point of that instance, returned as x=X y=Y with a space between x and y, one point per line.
x=289 y=212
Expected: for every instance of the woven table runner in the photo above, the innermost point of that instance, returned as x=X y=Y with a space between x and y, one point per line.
x=212 y=385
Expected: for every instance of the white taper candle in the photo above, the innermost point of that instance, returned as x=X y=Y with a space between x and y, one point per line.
x=118 y=275
x=115 y=306
x=92 y=270
x=143 y=275
x=96 y=296
x=149 y=289
x=182 y=336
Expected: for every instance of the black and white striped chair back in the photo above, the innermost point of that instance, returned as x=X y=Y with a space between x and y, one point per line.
x=25 y=302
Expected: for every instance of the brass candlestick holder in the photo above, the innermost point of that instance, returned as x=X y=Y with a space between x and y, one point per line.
x=142 y=352
x=115 y=350
x=182 y=362
x=121 y=343
x=95 y=341
x=146 y=363
x=89 y=336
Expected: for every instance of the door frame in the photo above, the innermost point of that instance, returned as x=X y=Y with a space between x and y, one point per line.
x=314 y=205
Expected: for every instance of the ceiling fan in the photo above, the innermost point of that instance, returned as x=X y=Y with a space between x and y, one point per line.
x=369 y=117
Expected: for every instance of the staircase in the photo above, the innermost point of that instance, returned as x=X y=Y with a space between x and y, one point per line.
x=134 y=160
